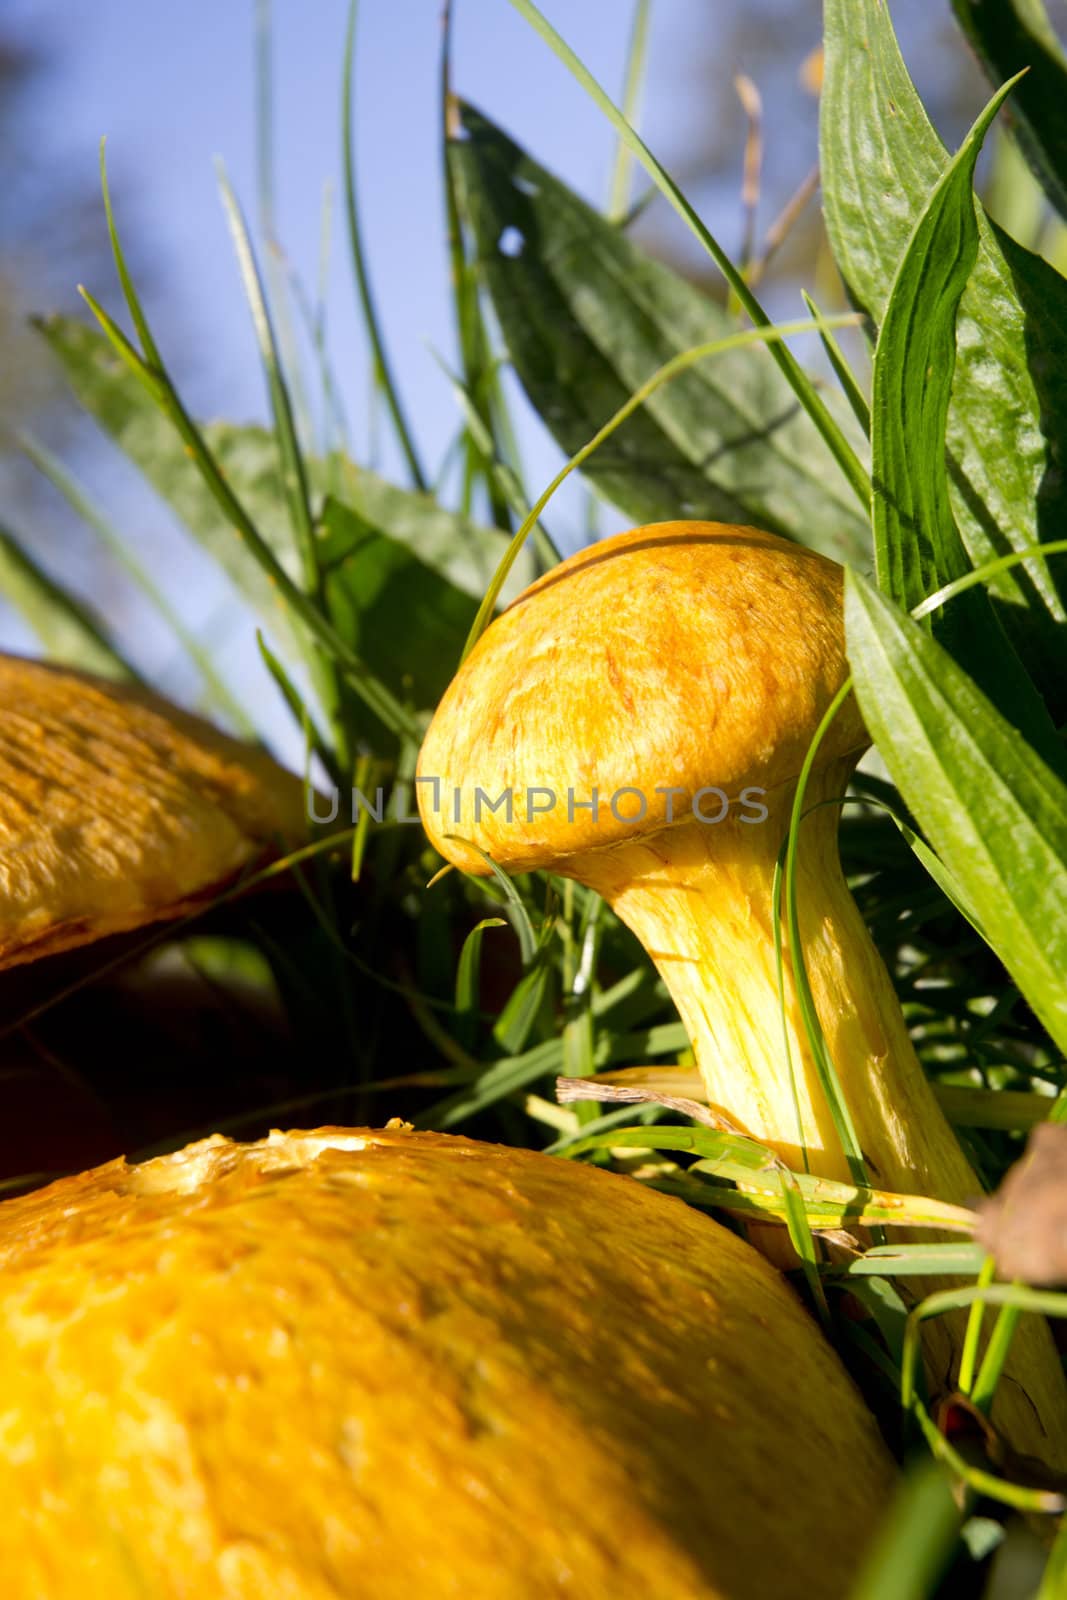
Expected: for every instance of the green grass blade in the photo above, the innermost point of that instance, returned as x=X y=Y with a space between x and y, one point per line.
x=636 y=56
x=798 y=380
x=916 y=1540
x=133 y=303
x=468 y=970
x=503 y=474
x=520 y=1011
x=292 y=470
x=518 y=915
x=842 y=371
x=374 y=694
x=77 y=498
x=301 y=712
x=293 y=474
x=975 y=1317
x=382 y=370
x=755 y=1169
x=919 y=1260
x=778 y=907
x=996 y=1354
x=514 y=1074
x=581 y=953
x=1054 y=1577
x=803 y=1242
x=825 y=1070
x=67 y=629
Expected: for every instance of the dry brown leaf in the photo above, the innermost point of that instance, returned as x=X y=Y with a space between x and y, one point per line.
x=1024 y=1225
x=117 y=809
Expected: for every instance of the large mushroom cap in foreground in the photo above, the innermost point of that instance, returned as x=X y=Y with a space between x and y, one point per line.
x=384 y=1365
x=117 y=809
x=682 y=655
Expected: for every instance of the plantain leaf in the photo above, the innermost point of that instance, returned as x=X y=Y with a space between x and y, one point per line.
x=1007 y=421
x=917 y=545
x=1008 y=35
x=587 y=317
x=124 y=409
x=67 y=629
x=407 y=622
x=465 y=554
x=993 y=811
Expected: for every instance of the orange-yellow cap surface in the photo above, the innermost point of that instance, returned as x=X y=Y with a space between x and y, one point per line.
x=116 y=808
x=389 y=1365
x=681 y=656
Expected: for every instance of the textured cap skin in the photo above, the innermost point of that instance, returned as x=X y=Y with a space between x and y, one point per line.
x=391 y=1364
x=683 y=654
x=117 y=809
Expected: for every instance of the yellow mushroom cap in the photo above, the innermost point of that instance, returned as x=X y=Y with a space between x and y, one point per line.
x=681 y=656
x=394 y=1364
x=117 y=809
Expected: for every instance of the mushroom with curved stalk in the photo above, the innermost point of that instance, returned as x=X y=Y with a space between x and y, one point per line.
x=117 y=809
x=346 y=1362
x=647 y=706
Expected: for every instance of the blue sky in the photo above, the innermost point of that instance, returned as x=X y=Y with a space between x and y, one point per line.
x=172 y=87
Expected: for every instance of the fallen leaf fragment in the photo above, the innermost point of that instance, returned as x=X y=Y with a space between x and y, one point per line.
x=1024 y=1225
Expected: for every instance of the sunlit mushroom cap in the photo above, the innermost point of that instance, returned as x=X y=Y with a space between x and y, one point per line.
x=117 y=809
x=677 y=657
x=392 y=1365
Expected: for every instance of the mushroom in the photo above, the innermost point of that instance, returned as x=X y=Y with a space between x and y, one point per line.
x=646 y=707
x=117 y=809
x=384 y=1364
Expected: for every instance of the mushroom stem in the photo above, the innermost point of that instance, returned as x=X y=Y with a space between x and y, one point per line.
x=699 y=897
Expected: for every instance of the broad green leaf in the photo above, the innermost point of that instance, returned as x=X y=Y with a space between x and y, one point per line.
x=1008 y=35
x=798 y=380
x=464 y=552
x=248 y=458
x=587 y=317
x=66 y=628
x=405 y=620
x=917 y=545
x=993 y=811
x=1007 y=423
x=461 y=551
